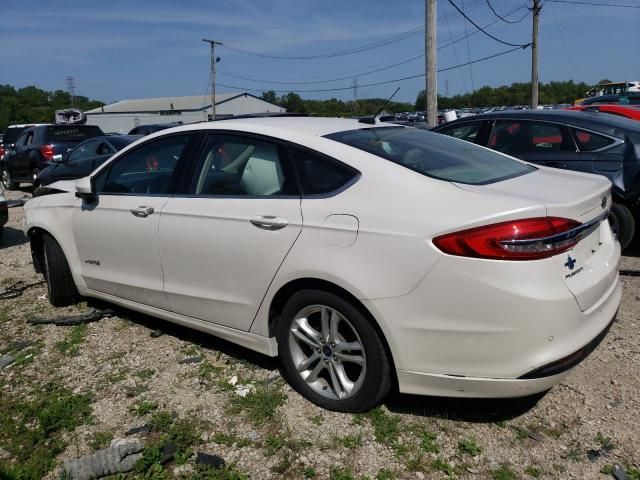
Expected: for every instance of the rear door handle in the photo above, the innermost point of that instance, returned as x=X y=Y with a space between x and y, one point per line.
x=267 y=222
x=142 y=211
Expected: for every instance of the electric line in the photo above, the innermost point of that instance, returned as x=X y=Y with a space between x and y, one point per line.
x=350 y=51
x=455 y=51
x=473 y=85
x=600 y=4
x=485 y=32
x=336 y=89
x=503 y=18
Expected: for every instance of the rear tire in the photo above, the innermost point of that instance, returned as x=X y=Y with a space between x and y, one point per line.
x=7 y=179
x=622 y=224
x=60 y=286
x=341 y=366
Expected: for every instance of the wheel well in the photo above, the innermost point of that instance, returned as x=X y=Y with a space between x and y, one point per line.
x=286 y=291
x=37 y=248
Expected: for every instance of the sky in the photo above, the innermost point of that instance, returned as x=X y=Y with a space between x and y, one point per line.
x=118 y=49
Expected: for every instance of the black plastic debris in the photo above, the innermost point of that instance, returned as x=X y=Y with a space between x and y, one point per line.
x=21 y=345
x=143 y=429
x=17 y=289
x=156 y=333
x=618 y=472
x=630 y=273
x=208 y=459
x=167 y=453
x=93 y=316
x=593 y=455
x=190 y=360
x=6 y=360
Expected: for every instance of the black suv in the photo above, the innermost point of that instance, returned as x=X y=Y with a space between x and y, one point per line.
x=35 y=148
x=582 y=141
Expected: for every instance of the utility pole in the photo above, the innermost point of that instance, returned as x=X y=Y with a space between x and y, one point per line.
x=214 y=60
x=534 y=55
x=355 y=95
x=431 y=83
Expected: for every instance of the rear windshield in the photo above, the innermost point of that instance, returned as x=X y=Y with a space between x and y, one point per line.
x=434 y=155
x=72 y=133
x=10 y=135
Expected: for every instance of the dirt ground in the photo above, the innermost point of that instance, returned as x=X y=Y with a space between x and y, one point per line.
x=75 y=388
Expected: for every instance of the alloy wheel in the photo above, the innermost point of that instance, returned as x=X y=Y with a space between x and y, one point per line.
x=327 y=352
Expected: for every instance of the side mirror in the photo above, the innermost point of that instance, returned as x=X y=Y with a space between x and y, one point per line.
x=84 y=189
x=57 y=158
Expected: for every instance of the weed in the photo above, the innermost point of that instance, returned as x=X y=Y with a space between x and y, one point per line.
x=469 y=446
x=385 y=474
x=100 y=440
x=415 y=463
x=71 y=345
x=386 y=428
x=228 y=472
x=189 y=350
x=260 y=405
x=338 y=473
x=317 y=420
x=141 y=407
x=533 y=471
x=206 y=371
x=351 y=441
x=604 y=442
x=444 y=467
x=504 y=472
x=145 y=374
x=32 y=429
x=273 y=444
x=428 y=442
x=308 y=472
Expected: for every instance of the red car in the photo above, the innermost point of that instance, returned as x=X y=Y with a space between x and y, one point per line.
x=629 y=111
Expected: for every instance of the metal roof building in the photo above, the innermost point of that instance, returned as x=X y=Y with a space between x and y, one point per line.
x=124 y=115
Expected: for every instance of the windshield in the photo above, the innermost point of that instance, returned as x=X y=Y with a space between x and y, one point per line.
x=70 y=133
x=434 y=155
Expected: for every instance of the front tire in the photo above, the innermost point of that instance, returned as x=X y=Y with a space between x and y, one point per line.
x=622 y=224
x=331 y=354
x=60 y=286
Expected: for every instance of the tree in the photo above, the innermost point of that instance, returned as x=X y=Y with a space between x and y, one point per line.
x=270 y=96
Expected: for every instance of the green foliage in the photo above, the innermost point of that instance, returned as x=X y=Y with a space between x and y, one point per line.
x=100 y=440
x=533 y=471
x=386 y=428
x=308 y=472
x=428 y=442
x=32 y=105
x=385 y=474
x=351 y=441
x=71 y=345
x=338 y=473
x=504 y=472
x=260 y=405
x=605 y=442
x=469 y=446
x=515 y=94
x=444 y=467
x=142 y=407
x=32 y=429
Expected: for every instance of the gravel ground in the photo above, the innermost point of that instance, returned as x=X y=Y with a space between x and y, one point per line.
x=577 y=430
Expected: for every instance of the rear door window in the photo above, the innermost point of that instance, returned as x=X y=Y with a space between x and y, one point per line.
x=434 y=155
x=515 y=137
x=589 y=141
x=319 y=174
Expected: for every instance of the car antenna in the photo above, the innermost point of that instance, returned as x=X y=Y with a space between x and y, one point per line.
x=373 y=120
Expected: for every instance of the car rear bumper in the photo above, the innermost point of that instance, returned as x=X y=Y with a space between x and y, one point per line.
x=478 y=329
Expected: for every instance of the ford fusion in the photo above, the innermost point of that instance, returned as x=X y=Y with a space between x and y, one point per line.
x=367 y=256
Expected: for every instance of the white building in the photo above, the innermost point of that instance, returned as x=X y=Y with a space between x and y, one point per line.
x=124 y=115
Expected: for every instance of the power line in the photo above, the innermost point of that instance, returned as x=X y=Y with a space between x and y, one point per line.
x=336 y=89
x=484 y=31
x=503 y=18
x=600 y=4
x=380 y=43
x=455 y=51
x=473 y=84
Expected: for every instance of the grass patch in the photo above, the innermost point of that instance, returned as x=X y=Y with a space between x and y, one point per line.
x=386 y=428
x=385 y=474
x=351 y=441
x=428 y=442
x=444 y=467
x=145 y=374
x=317 y=420
x=504 y=472
x=230 y=439
x=32 y=429
x=141 y=407
x=469 y=446
x=604 y=442
x=533 y=471
x=337 y=473
x=308 y=472
x=100 y=440
x=260 y=405
x=71 y=345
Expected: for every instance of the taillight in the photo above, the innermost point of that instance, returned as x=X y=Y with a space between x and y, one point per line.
x=1 y=151
x=528 y=239
x=47 y=152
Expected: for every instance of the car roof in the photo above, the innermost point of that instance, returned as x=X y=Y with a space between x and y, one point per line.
x=315 y=126
x=573 y=117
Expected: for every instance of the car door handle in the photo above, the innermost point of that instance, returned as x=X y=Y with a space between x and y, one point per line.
x=268 y=222
x=142 y=211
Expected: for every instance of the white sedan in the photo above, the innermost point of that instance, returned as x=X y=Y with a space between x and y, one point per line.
x=367 y=256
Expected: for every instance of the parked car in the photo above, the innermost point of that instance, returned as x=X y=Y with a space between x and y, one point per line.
x=152 y=128
x=11 y=134
x=622 y=99
x=83 y=159
x=583 y=141
x=422 y=261
x=36 y=146
x=4 y=211
x=628 y=111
